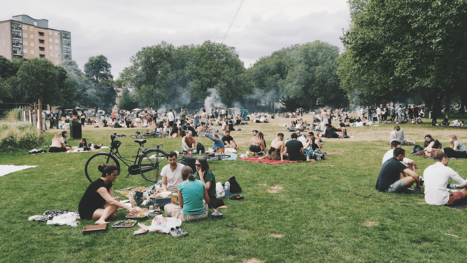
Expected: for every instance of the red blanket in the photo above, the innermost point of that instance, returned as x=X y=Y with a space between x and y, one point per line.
x=266 y=160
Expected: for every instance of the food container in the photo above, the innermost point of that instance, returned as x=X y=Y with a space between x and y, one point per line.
x=161 y=201
x=174 y=199
x=94 y=229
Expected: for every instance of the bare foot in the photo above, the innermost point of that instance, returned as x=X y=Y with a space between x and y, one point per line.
x=312 y=160
x=101 y=222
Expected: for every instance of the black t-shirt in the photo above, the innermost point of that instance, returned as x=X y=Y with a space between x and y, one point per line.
x=227 y=138
x=294 y=149
x=91 y=199
x=389 y=174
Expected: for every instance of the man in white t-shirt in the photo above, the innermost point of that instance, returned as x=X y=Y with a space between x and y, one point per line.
x=171 y=117
x=390 y=153
x=436 y=179
x=378 y=114
x=171 y=173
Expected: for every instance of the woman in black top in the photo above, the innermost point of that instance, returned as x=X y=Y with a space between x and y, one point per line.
x=98 y=202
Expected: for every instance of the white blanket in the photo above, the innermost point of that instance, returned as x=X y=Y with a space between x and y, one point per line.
x=7 y=169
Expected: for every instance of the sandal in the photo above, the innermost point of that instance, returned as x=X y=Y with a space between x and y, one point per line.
x=236 y=197
x=182 y=231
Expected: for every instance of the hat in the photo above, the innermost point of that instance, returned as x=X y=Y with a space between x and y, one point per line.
x=227 y=131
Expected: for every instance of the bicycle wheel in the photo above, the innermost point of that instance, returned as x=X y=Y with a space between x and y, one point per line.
x=149 y=164
x=91 y=168
x=216 y=157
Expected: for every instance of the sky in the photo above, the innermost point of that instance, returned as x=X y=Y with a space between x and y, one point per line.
x=118 y=29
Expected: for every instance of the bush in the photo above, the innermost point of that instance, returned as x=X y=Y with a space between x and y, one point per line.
x=14 y=115
x=19 y=136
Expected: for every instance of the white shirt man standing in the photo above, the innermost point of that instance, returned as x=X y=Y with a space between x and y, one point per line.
x=171 y=173
x=171 y=117
x=378 y=114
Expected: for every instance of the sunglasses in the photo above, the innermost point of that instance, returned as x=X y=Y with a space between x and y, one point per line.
x=197 y=164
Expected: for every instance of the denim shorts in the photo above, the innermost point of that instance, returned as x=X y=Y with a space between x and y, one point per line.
x=398 y=186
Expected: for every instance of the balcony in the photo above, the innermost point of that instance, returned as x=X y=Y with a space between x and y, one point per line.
x=17 y=51
x=17 y=35
x=42 y=48
x=16 y=27
x=41 y=33
x=41 y=56
x=17 y=43
x=41 y=41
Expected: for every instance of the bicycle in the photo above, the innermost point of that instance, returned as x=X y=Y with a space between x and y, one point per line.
x=146 y=162
x=146 y=135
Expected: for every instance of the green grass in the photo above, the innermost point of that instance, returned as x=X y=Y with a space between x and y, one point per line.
x=320 y=212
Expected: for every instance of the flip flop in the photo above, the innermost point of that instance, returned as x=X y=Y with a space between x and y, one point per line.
x=236 y=197
x=182 y=231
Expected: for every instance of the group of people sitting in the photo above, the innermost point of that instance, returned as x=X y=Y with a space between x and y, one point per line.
x=189 y=145
x=60 y=143
x=196 y=192
x=297 y=148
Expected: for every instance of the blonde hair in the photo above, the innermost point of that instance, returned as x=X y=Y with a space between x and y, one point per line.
x=454 y=138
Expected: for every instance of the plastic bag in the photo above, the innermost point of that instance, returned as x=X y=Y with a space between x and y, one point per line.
x=219 y=190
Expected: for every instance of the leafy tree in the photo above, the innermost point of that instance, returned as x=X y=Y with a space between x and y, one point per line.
x=98 y=69
x=126 y=100
x=6 y=68
x=103 y=93
x=67 y=87
x=5 y=90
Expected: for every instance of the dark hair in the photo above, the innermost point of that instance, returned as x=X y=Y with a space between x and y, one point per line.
x=187 y=173
x=294 y=136
x=256 y=131
x=439 y=156
x=429 y=136
x=397 y=127
x=398 y=151
x=204 y=164
x=394 y=144
x=171 y=154
x=106 y=169
x=63 y=133
x=261 y=135
x=280 y=134
x=311 y=134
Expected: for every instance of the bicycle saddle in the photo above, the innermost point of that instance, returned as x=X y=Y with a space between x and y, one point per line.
x=141 y=141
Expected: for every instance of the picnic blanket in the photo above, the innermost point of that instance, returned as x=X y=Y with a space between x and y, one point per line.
x=266 y=161
x=232 y=157
x=75 y=149
x=7 y=169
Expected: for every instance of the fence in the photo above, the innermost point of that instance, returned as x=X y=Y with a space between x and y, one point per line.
x=32 y=113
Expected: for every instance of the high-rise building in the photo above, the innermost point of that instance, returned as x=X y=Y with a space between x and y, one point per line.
x=26 y=37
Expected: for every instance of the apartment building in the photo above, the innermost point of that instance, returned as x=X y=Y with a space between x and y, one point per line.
x=26 y=37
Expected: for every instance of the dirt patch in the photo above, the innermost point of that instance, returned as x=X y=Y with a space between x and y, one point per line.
x=275 y=189
x=262 y=184
x=421 y=202
x=251 y=260
x=327 y=165
x=276 y=235
x=370 y=223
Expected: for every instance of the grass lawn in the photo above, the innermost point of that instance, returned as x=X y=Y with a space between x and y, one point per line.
x=327 y=211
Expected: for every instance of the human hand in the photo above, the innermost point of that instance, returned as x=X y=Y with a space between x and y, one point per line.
x=201 y=174
x=117 y=199
x=414 y=165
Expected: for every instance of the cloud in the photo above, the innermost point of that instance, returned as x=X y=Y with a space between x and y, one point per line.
x=120 y=28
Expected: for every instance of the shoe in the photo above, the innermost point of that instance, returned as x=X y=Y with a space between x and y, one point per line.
x=236 y=197
x=418 y=190
x=174 y=232
x=182 y=231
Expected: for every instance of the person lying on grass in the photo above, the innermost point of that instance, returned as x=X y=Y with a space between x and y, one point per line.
x=205 y=175
x=312 y=143
x=192 y=198
x=229 y=141
x=98 y=202
x=58 y=145
x=294 y=149
x=277 y=145
x=390 y=153
x=394 y=177
x=436 y=178
x=218 y=144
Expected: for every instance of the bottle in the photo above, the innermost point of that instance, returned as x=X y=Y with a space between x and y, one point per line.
x=174 y=199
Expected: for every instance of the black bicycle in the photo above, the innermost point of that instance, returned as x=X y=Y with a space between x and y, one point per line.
x=146 y=162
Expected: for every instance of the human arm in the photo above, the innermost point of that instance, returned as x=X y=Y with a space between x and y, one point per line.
x=412 y=174
x=201 y=178
x=111 y=192
x=206 y=196
x=455 y=146
x=184 y=143
x=456 y=177
x=164 y=183
x=112 y=201
x=180 y=198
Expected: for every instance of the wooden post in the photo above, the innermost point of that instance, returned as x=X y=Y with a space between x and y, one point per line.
x=35 y=114
x=40 y=115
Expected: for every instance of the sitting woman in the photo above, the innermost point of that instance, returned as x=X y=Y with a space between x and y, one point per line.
x=191 y=193
x=256 y=144
x=458 y=149
x=174 y=131
x=57 y=144
x=218 y=144
x=431 y=145
x=330 y=132
x=205 y=175
x=312 y=143
x=98 y=202
x=88 y=146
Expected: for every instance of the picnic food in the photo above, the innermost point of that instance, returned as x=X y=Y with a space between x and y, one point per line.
x=122 y=223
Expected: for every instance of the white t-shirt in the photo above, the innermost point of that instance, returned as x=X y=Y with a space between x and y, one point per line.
x=460 y=146
x=378 y=111
x=170 y=116
x=173 y=178
x=389 y=154
x=436 y=178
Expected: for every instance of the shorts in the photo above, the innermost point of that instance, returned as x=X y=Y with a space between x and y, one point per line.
x=171 y=123
x=309 y=153
x=255 y=149
x=177 y=212
x=454 y=197
x=398 y=186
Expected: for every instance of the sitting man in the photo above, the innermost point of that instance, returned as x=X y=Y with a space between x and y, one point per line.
x=294 y=149
x=436 y=179
x=171 y=174
x=390 y=153
x=189 y=143
x=392 y=176
x=229 y=142
x=275 y=152
x=398 y=135
x=190 y=128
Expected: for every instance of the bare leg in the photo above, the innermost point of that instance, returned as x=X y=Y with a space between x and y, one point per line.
x=103 y=214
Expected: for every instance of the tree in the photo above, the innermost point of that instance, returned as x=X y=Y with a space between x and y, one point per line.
x=67 y=88
x=6 y=68
x=5 y=90
x=98 y=71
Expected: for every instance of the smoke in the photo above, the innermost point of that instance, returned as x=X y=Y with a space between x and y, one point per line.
x=213 y=101
x=162 y=110
x=259 y=101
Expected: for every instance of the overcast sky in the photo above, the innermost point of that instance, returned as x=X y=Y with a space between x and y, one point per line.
x=120 y=28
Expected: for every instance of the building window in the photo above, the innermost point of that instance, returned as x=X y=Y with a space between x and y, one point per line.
x=51 y=47
x=50 y=40
x=41 y=55
x=32 y=51
x=50 y=32
x=25 y=27
x=57 y=33
x=25 y=35
x=41 y=33
x=58 y=55
x=32 y=44
x=56 y=41
x=51 y=54
x=31 y=36
x=25 y=43
x=42 y=48
x=41 y=41
x=31 y=28
x=57 y=48
x=25 y=50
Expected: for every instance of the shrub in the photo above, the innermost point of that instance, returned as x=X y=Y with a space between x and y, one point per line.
x=14 y=114
x=19 y=136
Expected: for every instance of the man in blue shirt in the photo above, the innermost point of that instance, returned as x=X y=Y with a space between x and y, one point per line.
x=218 y=144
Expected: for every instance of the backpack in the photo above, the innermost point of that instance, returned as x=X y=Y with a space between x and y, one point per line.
x=200 y=148
x=234 y=186
x=416 y=149
x=189 y=161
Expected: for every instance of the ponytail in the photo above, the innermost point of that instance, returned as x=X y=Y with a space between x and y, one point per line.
x=191 y=177
x=106 y=169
